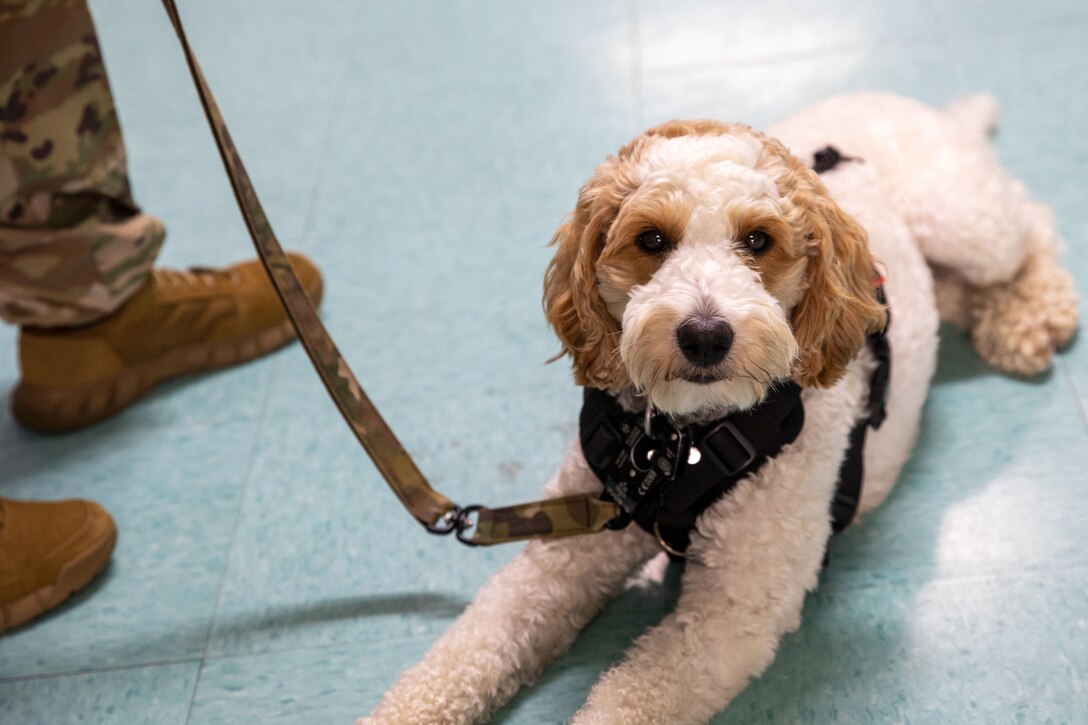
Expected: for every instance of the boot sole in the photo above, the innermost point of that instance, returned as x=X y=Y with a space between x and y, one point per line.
x=75 y=575
x=60 y=410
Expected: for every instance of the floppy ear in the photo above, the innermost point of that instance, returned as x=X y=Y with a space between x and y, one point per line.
x=838 y=309
x=572 y=300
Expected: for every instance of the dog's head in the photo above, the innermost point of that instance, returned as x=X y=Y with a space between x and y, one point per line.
x=704 y=263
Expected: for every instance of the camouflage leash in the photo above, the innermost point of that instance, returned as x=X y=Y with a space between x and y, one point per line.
x=475 y=525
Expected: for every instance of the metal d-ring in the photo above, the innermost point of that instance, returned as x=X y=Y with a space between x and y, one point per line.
x=665 y=546
x=456 y=521
x=464 y=523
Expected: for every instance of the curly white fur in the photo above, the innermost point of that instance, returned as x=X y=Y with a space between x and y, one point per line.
x=926 y=188
x=994 y=251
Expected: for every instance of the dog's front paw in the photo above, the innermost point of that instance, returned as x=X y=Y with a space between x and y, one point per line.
x=627 y=696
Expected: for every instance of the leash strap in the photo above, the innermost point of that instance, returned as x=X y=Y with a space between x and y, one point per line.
x=474 y=525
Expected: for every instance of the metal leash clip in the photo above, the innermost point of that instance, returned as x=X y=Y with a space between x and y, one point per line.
x=673 y=444
x=457 y=521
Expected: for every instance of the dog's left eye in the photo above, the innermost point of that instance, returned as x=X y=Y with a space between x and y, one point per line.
x=756 y=242
x=652 y=241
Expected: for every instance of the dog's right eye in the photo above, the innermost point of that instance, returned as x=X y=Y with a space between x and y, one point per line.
x=652 y=241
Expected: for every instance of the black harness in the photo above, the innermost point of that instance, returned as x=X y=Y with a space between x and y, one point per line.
x=663 y=475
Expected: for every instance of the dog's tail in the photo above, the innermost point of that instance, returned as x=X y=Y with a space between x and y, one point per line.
x=976 y=114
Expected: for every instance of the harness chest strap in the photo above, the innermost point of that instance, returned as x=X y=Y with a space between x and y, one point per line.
x=664 y=476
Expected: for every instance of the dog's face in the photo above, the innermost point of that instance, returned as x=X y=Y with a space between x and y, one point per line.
x=703 y=264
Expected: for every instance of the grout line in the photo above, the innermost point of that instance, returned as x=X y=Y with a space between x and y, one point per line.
x=634 y=45
x=97 y=670
x=306 y=242
x=246 y=479
x=823 y=588
x=1074 y=389
x=324 y=162
x=913 y=581
x=215 y=658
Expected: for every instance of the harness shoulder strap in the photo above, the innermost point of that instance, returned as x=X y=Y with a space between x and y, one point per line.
x=844 y=506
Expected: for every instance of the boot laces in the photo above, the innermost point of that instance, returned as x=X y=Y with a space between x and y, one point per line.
x=193 y=277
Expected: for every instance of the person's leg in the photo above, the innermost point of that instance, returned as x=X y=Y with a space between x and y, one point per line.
x=73 y=244
x=73 y=247
x=100 y=326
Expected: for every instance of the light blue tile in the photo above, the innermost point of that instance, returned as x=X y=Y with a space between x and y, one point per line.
x=1040 y=79
x=122 y=697
x=436 y=334
x=276 y=60
x=1001 y=649
x=437 y=205
x=276 y=71
x=988 y=16
x=678 y=35
x=328 y=685
x=425 y=152
x=344 y=680
x=994 y=486
x=487 y=39
x=174 y=496
x=760 y=94
x=324 y=552
x=492 y=139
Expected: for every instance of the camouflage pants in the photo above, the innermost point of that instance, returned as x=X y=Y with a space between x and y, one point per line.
x=73 y=244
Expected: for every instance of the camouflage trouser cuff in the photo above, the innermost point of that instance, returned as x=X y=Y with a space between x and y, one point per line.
x=78 y=275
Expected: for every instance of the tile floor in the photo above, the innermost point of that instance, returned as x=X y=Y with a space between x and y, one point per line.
x=423 y=153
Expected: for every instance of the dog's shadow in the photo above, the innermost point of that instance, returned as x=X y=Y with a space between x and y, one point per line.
x=856 y=627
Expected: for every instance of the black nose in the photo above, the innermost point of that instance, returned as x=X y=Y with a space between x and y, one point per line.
x=705 y=341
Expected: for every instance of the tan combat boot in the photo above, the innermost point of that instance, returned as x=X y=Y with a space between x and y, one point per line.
x=47 y=552
x=179 y=322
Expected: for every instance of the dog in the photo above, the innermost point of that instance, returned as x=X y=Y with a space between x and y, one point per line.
x=704 y=265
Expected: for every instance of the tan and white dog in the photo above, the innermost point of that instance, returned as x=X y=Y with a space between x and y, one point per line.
x=722 y=225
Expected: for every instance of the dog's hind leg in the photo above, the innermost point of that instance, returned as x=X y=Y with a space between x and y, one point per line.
x=1017 y=325
x=994 y=251
x=527 y=615
x=964 y=210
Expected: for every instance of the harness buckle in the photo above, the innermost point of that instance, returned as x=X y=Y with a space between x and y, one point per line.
x=680 y=452
x=711 y=446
